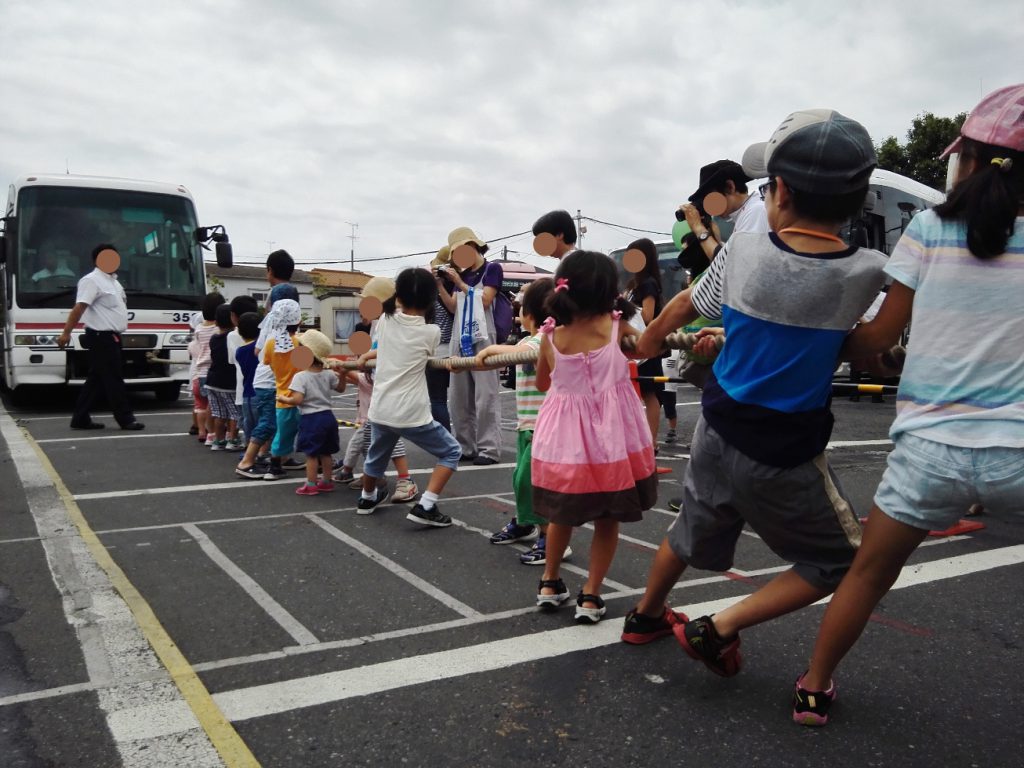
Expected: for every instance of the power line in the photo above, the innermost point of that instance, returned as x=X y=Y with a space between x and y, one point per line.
x=623 y=226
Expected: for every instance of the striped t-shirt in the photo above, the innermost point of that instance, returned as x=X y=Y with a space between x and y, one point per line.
x=963 y=380
x=528 y=397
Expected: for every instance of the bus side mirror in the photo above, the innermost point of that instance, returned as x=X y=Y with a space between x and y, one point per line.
x=219 y=237
x=225 y=258
x=3 y=249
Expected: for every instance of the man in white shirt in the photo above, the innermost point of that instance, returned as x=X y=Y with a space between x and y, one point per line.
x=744 y=209
x=102 y=307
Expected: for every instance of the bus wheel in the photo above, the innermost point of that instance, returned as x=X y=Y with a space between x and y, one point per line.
x=168 y=393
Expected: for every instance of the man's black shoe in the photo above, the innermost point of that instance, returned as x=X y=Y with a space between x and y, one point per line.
x=88 y=425
x=134 y=426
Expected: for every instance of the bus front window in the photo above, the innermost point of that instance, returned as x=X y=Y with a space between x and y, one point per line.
x=161 y=265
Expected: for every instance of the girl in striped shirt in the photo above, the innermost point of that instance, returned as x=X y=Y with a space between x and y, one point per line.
x=526 y=524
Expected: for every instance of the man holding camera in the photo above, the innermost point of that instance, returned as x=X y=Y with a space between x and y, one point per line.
x=743 y=209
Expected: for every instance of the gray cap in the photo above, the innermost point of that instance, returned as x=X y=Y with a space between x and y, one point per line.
x=815 y=150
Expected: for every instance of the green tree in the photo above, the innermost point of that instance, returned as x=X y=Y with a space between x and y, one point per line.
x=919 y=157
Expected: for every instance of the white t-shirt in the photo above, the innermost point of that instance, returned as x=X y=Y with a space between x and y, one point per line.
x=234 y=341
x=751 y=216
x=404 y=343
x=107 y=308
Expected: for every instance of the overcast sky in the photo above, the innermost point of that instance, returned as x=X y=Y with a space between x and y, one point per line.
x=288 y=119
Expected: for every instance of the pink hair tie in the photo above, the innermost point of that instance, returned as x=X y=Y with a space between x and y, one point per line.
x=561 y=284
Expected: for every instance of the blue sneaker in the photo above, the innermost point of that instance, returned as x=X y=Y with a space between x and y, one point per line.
x=512 y=532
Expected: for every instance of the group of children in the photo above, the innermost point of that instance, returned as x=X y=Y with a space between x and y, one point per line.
x=585 y=452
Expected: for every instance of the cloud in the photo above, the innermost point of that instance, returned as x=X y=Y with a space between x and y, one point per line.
x=287 y=120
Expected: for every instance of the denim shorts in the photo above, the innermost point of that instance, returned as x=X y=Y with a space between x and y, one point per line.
x=432 y=438
x=930 y=485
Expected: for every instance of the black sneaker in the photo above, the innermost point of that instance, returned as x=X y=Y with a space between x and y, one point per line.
x=811 y=707
x=639 y=629
x=366 y=506
x=254 y=472
x=432 y=516
x=293 y=463
x=87 y=425
x=702 y=642
x=274 y=472
x=513 y=531
x=675 y=504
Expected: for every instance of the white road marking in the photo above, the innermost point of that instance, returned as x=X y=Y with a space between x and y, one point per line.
x=401 y=572
x=856 y=443
x=314 y=690
x=115 y=651
x=97 y=438
x=240 y=483
x=260 y=596
x=143 y=414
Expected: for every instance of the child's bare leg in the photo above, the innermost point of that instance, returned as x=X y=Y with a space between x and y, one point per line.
x=602 y=550
x=232 y=429
x=666 y=570
x=326 y=466
x=438 y=478
x=219 y=428
x=402 y=466
x=885 y=548
x=784 y=594
x=203 y=420
x=557 y=540
x=251 y=450
x=312 y=463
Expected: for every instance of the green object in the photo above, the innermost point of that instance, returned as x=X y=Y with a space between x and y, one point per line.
x=680 y=230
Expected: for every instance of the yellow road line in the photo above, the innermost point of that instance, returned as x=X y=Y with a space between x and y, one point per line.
x=233 y=750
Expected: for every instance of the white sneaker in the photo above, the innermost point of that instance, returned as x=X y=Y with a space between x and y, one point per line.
x=405 y=490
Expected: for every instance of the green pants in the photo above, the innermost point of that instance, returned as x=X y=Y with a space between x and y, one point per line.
x=522 y=481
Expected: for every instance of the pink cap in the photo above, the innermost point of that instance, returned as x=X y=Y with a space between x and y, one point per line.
x=997 y=120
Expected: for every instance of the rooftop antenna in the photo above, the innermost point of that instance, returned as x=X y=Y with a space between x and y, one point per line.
x=67 y=167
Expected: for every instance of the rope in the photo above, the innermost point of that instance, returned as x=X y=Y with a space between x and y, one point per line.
x=684 y=341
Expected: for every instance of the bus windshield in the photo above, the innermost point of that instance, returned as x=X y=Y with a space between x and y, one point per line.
x=161 y=264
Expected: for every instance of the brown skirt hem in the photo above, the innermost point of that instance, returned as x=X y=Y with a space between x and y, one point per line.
x=626 y=506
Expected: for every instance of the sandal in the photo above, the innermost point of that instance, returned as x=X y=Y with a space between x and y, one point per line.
x=555 y=600
x=592 y=615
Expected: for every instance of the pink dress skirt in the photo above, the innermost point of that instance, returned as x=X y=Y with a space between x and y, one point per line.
x=592 y=450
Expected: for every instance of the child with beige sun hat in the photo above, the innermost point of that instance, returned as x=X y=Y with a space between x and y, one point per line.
x=318 y=429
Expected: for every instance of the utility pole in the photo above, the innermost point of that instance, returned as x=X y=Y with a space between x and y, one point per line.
x=504 y=253
x=580 y=229
x=270 y=245
x=352 y=250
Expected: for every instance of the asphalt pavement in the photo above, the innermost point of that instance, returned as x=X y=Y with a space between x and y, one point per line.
x=157 y=610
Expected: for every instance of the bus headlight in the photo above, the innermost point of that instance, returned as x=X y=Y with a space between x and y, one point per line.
x=178 y=339
x=36 y=340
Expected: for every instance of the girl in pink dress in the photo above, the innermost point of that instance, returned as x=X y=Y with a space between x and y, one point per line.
x=593 y=460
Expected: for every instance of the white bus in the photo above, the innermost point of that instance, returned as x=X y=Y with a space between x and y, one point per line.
x=51 y=224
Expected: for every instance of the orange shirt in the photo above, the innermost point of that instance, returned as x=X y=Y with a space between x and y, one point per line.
x=281 y=364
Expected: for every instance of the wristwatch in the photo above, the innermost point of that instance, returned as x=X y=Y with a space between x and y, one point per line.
x=703 y=235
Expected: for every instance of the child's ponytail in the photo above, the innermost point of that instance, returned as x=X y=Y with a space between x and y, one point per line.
x=988 y=200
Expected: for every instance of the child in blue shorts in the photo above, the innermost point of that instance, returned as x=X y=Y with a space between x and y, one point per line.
x=959 y=431
x=401 y=403
x=310 y=391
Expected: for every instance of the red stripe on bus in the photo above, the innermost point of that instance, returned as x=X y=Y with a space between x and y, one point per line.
x=131 y=326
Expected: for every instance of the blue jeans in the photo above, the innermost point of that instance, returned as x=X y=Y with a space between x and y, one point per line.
x=248 y=417
x=265 y=426
x=432 y=438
